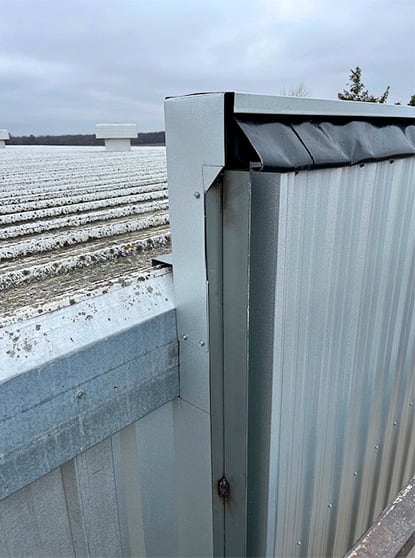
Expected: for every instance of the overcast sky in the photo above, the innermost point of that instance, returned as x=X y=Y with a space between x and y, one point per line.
x=67 y=64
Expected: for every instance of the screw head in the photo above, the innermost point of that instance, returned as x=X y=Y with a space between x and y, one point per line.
x=330 y=506
x=197 y=195
x=185 y=337
x=202 y=343
x=80 y=394
x=377 y=446
x=298 y=543
x=395 y=423
x=411 y=404
x=355 y=473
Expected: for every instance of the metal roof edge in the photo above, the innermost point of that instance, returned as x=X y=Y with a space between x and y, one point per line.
x=246 y=103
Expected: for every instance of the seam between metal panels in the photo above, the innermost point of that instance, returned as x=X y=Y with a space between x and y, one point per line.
x=193 y=405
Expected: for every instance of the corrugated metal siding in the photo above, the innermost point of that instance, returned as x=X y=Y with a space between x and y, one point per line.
x=116 y=499
x=342 y=419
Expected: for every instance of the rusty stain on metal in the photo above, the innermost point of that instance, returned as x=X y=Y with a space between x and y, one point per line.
x=224 y=488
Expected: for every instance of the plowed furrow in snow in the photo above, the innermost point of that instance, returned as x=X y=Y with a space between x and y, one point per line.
x=36 y=227
x=77 y=235
x=57 y=206
x=126 y=240
x=47 y=295
x=54 y=170
x=59 y=265
x=81 y=184
x=85 y=207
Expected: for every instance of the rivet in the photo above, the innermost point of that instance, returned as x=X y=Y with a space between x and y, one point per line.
x=80 y=394
x=202 y=343
x=185 y=337
x=197 y=195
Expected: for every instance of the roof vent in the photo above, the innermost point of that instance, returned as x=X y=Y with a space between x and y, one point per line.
x=117 y=136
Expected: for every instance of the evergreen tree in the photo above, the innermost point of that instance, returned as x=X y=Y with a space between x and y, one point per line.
x=357 y=91
x=412 y=101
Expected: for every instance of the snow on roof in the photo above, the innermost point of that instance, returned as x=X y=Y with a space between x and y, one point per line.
x=75 y=222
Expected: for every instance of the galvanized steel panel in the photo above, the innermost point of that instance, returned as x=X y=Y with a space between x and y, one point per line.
x=34 y=521
x=343 y=383
x=116 y=499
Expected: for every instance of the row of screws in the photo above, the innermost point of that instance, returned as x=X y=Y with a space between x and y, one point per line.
x=186 y=337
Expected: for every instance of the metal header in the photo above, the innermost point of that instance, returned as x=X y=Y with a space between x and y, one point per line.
x=317 y=132
x=245 y=103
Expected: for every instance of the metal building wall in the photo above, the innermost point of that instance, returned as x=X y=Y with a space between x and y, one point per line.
x=116 y=499
x=335 y=253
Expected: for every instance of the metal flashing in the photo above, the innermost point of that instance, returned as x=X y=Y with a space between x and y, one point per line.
x=74 y=377
x=246 y=103
x=56 y=411
x=286 y=146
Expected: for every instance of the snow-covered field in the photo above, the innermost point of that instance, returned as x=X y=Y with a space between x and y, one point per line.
x=76 y=220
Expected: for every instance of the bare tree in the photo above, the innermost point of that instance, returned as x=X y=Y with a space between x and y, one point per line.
x=300 y=90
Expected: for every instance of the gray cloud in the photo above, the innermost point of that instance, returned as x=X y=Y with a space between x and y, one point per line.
x=67 y=64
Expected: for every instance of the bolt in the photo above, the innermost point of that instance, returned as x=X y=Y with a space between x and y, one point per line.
x=197 y=195
x=202 y=343
x=185 y=337
x=80 y=394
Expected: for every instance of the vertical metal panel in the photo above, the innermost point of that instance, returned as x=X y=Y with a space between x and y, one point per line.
x=343 y=388
x=116 y=499
x=156 y=464
x=195 y=157
x=144 y=461
x=193 y=481
x=263 y=260
x=236 y=226
x=34 y=521
x=93 y=496
x=128 y=486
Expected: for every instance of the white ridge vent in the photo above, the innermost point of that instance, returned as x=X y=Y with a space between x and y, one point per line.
x=117 y=136
x=4 y=135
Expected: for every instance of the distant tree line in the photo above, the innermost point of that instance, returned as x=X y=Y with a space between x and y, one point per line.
x=143 y=138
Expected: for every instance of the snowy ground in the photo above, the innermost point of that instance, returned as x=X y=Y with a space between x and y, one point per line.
x=77 y=221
